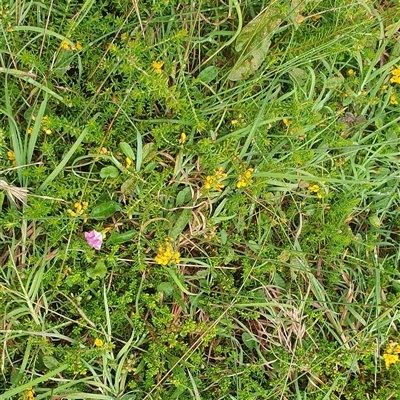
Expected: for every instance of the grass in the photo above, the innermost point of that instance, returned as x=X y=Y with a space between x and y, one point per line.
x=240 y=161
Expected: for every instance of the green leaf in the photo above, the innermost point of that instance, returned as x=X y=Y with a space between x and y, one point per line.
x=249 y=340
x=109 y=172
x=183 y=197
x=127 y=150
x=208 y=74
x=165 y=287
x=50 y=362
x=254 y=41
x=99 y=271
x=180 y=223
x=119 y=238
x=106 y=209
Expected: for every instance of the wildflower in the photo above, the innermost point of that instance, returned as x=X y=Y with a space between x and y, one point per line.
x=157 y=65
x=30 y=394
x=395 y=75
x=98 y=342
x=80 y=209
x=65 y=45
x=128 y=161
x=393 y=99
x=94 y=239
x=182 y=138
x=234 y=122
x=11 y=155
x=213 y=182
x=391 y=354
x=316 y=189
x=384 y=88
x=166 y=254
x=287 y=122
x=104 y=150
x=315 y=18
x=245 y=179
x=29 y=131
x=78 y=46
x=47 y=131
x=350 y=72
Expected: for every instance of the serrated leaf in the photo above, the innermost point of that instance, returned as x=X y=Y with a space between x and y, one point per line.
x=109 y=172
x=208 y=74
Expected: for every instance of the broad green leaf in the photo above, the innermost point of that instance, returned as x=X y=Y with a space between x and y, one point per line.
x=119 y=238
x=127 y=150
x=99 y=271
x=249 y=340
x=208 y=74
x=109 y=172
x=165 y=287
x=254 y=41
x=106 y=209
x=180 y=223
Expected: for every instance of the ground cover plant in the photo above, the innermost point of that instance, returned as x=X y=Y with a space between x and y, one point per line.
x=199 y=200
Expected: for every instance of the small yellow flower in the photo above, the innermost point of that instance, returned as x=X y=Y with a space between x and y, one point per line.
x=98 y=342
x=393 y=100
x=395 y=75
x=384 y=88
x=245 y=179
x=391 y=354
x=287 y=122
x=234 y=122
x=47 y=131
x=11 y=155
x=65 y=45
x=166 y=254
x=71 y=213
x=78 y=46
x=182 y=138
x=213 y=182
x=29 y=131
x=350 y=72
x=104 y=150
x=30 y=394
x=157 y=65
x=128 y=161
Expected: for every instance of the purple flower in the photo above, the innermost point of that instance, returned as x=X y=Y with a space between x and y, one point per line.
x=94 y=239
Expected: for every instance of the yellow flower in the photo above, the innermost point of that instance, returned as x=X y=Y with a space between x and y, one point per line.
x=350 y=72
x=157 y=65
x=182 y=138
x=128 y=161
x=393 y=100
x=395 y=75
x=166 y=254
x=391 y=354
x=47 y=131
x=11 y=155
x=317 y=190
x=65 y=45
x=29 y=131
x=30 y=394
x=245 y=179
x=286 y=121
x=213 y=182
x=98 y=342
x=80 y=209
x=104 y=150
x=234 y=122
x=78 y=46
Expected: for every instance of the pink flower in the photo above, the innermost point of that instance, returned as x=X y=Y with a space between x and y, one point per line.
x=94 y=239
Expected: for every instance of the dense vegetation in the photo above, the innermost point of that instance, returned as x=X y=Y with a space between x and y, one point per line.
x=199 y=200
